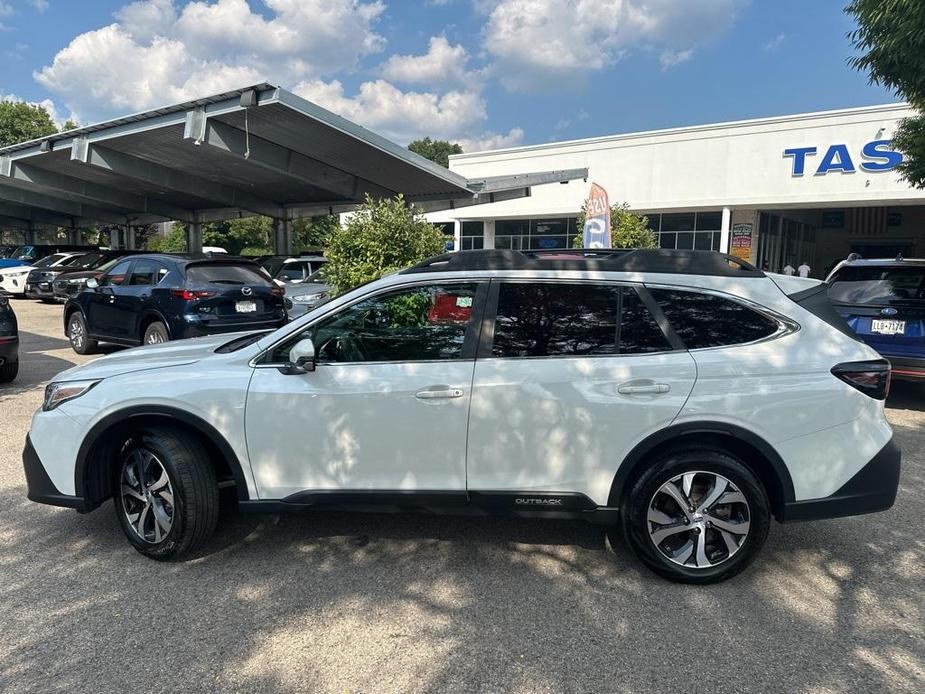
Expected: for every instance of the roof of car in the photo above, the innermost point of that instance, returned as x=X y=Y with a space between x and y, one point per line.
x=892 y=262
x=188 y=258
x=655 y=260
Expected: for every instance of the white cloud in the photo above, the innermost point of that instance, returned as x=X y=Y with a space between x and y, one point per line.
x=443 y=65
x=6 y=9
x=159 y=52
x=402 y=116
x=545 y=43
x=492 y=141
x=669 y=58
x=775 y=43
x=39 y=5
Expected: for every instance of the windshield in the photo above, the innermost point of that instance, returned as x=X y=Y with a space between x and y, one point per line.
x=85 y=261
x=224 y=273
x=48 y=260
x=21 y=251
x=878 y=285
x=317 y=277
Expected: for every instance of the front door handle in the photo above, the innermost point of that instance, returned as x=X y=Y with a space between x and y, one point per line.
x=439 y=393
x=643 y=389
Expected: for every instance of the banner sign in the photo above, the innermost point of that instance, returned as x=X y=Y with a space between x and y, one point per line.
x=740 y=244
x=597 y=219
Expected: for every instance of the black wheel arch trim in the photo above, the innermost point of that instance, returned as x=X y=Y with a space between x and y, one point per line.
x=180 y=416
x=148 y=316
x=677 y=431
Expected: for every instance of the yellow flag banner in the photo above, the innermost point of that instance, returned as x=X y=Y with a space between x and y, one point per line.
x=597 y=219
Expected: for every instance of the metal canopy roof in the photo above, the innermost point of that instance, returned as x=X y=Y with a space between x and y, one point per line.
x=258 y=150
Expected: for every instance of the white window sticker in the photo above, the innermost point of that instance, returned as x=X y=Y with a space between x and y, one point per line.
x=464 y=302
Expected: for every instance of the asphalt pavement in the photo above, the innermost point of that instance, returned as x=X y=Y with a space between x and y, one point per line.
x=330 y=602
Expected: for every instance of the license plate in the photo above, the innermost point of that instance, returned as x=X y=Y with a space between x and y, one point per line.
x=246 y=307
x=888 y=327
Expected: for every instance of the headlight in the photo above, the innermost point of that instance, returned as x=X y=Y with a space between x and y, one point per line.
x=57 y=393
x=307 y=298
x=79 y=280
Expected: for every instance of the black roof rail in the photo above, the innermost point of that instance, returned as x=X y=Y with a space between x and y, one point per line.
x=652 y=260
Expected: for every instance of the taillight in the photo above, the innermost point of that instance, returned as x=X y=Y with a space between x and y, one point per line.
x=870 y=377
x=191 y=295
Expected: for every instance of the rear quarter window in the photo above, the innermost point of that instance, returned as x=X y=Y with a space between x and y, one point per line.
x=225 y=273
x=707 y=320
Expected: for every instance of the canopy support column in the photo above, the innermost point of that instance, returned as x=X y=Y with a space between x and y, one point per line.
x=194 y=237
x=282 y=237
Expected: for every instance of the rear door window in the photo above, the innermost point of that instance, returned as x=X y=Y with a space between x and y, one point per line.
x=878 y=286
x=147 y=273
x=707 y=320
x=226 y=273
x=561 y=319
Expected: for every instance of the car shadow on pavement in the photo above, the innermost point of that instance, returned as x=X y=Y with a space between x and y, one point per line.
x=337 y=602
x=41 y=358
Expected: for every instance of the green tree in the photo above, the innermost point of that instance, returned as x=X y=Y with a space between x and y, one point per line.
x=627 y=229
x=70 y=124
x=382 y=236
x=890 y=37
x=20 y=122
x=312 y=233
x=438 y=151
x=173 y=242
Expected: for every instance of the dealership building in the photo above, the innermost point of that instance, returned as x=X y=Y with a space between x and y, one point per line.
x=811 y=187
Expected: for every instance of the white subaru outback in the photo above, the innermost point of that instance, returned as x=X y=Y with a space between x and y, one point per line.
x=682 y=396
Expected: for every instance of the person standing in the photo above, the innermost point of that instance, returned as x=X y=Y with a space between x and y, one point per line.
x=804 y=269
x=788 y=269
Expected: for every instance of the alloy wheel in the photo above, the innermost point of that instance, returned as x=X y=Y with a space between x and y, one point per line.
x=147 y=495
x=698 y=519
x=155 y=338
x=76 y=333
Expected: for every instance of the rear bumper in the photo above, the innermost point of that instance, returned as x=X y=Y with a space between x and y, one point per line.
x=41 y=489
x=182 y=328
x=872 y=489
x=907 y=367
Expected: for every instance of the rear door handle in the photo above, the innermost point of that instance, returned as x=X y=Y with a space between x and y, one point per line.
x=648 y=388
x=439 y=393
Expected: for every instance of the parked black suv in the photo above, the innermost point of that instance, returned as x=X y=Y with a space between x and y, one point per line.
x=148 y=299
x=9 y=341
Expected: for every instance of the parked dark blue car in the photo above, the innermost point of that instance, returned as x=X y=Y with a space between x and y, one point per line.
x=148 y=299
x=884 y=303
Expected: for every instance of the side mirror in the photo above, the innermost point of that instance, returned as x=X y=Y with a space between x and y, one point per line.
x=92 y=283
x=279 y=283
x=302 y=357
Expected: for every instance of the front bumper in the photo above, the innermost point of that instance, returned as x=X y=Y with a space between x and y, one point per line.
x=872 y=489
x=40 y=290
x=907 y=367
x=41 y=489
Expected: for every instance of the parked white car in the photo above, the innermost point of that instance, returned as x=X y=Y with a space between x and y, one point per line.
x=683 y=396
x=13 y=279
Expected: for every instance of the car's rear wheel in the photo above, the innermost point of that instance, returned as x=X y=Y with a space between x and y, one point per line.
x=166 y=494
x=155 y=334
x=77 y=334
x=8 y=371
x=696 y=516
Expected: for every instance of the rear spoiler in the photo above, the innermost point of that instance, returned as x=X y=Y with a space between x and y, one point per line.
x=792 y=285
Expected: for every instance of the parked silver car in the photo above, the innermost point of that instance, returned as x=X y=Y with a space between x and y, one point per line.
x=306 y=295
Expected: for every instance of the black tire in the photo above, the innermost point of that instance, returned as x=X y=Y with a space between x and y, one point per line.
x=77 y=334
x=194 y=492
x=9 y=371
x=155 y=334
x=634 y=513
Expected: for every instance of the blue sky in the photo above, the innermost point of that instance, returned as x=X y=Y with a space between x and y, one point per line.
x=485 y=73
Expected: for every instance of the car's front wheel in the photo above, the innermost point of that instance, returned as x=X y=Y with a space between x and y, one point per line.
x=166 y=494
x=77 y=334
x=696 y=516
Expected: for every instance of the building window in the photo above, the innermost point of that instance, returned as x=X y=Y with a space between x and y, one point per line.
x=700 y=231
x=473 y=236
x=536 y=234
